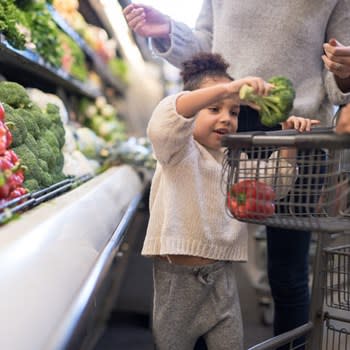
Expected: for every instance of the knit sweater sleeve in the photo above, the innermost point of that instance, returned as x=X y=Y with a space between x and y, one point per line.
x=170 y=133
x=184 y=41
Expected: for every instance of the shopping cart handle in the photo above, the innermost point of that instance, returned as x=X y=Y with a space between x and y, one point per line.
x=318 y=137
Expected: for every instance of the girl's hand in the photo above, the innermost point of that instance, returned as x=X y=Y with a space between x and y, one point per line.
x=299 y=123
x=147 y=21
x=259 y=86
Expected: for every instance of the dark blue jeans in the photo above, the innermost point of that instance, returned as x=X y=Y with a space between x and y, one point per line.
x=287 y=255
x=288 y=252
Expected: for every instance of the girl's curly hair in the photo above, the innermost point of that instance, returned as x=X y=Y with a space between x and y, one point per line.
x=202 y=66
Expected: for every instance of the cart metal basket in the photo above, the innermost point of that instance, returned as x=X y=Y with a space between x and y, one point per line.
x=311 y=189
x=307 y=189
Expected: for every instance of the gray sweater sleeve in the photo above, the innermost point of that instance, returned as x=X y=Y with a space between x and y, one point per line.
x=185 y=42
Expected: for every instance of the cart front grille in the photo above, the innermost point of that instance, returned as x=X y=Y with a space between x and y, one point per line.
x=336 y=337
x=337 y=293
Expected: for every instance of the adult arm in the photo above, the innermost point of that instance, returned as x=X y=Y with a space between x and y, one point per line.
x=183 y=41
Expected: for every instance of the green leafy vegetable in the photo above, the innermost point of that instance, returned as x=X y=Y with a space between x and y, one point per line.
x=275 y=107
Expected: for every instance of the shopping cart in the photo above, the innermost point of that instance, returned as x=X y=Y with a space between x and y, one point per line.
x=307 y=190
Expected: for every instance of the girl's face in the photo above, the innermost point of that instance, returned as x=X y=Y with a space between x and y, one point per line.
x=217 y=119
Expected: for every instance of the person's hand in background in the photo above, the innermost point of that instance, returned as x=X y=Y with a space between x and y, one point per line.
x=146 y=21
x=337 y=60
x=343 y=123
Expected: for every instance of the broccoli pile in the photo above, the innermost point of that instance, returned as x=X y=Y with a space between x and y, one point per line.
x=38 y=136
x=275 y=107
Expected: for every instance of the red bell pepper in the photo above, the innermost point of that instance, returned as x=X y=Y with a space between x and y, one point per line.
x=2 y=112
x=11 y=174
x=17 y=192
x=251 y=199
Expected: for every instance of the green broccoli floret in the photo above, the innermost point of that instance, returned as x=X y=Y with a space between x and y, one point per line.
x=56 y=125
x=14 y=95
x=39 y=117
x=59 y=132
x=53 y=112
x=57 y=177
x=43 y=165
x=60 y=161
x=45 y=153
x=32 y=144
x=46 y=180
x=51 y=139
x=31 y=185
x=30 y=162
x=16 y=125
x=30 y=122
x=275 y=107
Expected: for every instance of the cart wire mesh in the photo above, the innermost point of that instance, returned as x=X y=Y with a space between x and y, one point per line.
x=337 y=334
x=307 y=189
x=337 y=291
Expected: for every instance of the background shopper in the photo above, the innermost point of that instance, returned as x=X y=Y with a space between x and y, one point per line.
x=266 y=38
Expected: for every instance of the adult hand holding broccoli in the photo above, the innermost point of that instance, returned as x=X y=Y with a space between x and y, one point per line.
x=275 y=107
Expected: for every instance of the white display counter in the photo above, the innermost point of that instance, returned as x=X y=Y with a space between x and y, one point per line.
x=50 y=257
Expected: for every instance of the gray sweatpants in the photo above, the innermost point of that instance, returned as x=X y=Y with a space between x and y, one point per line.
x=194 y=301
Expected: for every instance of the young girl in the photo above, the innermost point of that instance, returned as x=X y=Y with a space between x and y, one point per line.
x=193 y=241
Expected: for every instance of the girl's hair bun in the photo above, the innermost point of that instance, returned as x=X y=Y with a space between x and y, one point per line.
x=201 y=66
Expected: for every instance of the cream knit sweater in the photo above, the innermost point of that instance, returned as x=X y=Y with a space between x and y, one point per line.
x=270 y=37
x=187 y=204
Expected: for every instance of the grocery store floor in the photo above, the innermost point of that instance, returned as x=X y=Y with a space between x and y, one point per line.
x=129 y=330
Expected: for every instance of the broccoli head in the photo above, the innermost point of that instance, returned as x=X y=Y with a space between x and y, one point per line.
x=16 y=124
x=30 y=122
x=45 y=153
x=14 y=95
x=31 y=185
x=39 y=117
x=51 y=139
x=275 y=107
x=30 y=162
x=43 y=165
x=32 y=144
x=46 y=179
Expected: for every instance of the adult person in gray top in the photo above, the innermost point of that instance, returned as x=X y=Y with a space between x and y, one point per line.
x=263 y=38
x=267 y=38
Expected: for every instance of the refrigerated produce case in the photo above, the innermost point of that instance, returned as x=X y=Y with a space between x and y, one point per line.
x=54 y=259
x=62 y=262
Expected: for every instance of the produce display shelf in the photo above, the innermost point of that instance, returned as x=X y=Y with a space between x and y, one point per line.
x=101 y=68
x=29 y=61
x=54 y=258
x=61 y=22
